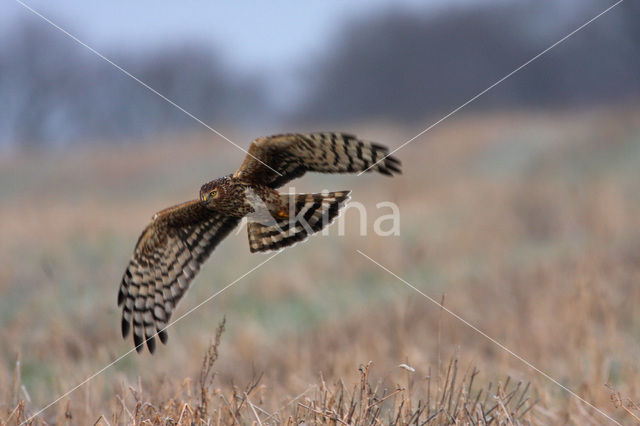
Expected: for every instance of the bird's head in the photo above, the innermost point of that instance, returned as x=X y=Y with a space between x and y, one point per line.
x=209 y=192
x=212 y=191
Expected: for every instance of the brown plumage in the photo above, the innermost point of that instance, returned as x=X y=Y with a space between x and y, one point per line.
x=179 y=239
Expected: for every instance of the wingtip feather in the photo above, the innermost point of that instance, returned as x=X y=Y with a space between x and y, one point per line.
x=125 y=327
x=138 y=342
x=151 y=344
x=164 y=336
x=121 y=296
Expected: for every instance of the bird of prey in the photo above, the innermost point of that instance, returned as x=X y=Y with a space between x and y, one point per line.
x=179 y=239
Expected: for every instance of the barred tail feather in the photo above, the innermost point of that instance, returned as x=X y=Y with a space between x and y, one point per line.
x=308 y=214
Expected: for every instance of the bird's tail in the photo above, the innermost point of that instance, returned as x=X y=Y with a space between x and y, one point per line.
x=306 y=215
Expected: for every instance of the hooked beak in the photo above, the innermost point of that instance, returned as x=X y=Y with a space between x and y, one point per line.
x=205 y=199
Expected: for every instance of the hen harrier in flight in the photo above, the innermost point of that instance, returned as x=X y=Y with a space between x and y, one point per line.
x=171 y=249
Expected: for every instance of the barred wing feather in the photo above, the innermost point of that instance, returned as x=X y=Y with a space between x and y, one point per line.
x=167 y=257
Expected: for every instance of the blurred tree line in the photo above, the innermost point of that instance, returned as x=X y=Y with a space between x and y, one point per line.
x=405 y=67
x=393 y=65
x=56 y=91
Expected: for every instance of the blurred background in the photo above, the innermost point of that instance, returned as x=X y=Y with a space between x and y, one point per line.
x=267 y=67
x=523 y=207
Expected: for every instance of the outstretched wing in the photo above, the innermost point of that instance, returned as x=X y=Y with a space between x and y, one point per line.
x=168 y=255
x=275 y=160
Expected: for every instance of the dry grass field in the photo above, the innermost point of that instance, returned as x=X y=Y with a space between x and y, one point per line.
x=528 y=225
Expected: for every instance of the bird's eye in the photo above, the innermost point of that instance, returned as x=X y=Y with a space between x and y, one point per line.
x=213 y=193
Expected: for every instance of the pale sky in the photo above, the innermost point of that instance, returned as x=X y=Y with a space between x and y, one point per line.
x=251 y=34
